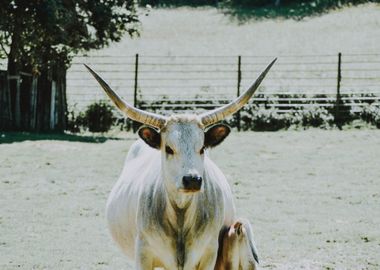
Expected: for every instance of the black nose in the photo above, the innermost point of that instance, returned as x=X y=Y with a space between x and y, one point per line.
x=192 y=182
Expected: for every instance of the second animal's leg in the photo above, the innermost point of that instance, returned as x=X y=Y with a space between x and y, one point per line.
x=236 y=248
x=248 y=251
x=228 y=253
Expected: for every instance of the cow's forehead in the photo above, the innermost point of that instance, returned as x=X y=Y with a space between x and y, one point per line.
x=183 y=118
x=183 y=121
x=183 y=129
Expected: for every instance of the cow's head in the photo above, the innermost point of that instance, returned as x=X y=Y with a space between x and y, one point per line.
x=183 y=139
x=183 y=142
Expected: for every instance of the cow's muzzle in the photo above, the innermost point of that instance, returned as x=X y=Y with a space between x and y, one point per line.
x=191 y=183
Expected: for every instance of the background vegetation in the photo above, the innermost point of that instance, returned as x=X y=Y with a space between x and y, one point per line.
x=247 y=9
x=40 y=38
x=101 y=117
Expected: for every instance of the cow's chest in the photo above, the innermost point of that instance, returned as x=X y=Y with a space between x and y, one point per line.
x=181 y=249
x=179 y=238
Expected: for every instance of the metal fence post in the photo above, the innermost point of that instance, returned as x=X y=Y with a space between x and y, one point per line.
x=135 y=102
x=238 y=91
x=338 y=97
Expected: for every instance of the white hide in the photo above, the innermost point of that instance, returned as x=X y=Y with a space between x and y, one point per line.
x=152 y=221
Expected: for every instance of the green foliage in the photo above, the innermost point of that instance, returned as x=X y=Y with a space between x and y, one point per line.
x=12 y=137
x=98 y=117
x=344 y=115
x=75 y=121
x=42 y=33
x=258 y=118
x=254 y=117
x=248 y=9
x=295 y=9
x=244 y=10
x=41 y=37
x=314 y=117
x=264 y=117
x=176 y=3
x=371 y=114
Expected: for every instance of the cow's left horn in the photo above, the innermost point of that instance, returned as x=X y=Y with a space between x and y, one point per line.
x=148 y=118
x=218 y=114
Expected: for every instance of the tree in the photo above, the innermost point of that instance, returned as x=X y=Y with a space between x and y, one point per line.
x=41 y=37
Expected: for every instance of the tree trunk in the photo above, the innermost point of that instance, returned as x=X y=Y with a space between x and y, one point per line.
x=5 y=105
x=51 y=113
x=14 y=68
x=34 y=105
x=61 y=107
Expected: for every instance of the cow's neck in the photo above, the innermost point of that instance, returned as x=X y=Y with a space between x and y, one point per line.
x=181 y=201
x=182 y=220
x=181 y=209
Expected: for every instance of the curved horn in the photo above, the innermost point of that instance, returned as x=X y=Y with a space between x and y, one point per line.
x=218 y=114
x=148 y=118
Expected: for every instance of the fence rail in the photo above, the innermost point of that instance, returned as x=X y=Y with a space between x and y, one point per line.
x=176 y=82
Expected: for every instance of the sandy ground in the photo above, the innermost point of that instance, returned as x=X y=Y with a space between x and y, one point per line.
x=313 y=198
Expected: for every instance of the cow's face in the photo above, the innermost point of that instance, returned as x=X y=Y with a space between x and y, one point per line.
x=182 y=143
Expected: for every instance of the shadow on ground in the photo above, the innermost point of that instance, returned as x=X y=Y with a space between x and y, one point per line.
x=247 y=10
x=296 y=11
x=11 y=137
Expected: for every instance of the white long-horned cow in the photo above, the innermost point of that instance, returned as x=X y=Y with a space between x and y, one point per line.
x=172 y=206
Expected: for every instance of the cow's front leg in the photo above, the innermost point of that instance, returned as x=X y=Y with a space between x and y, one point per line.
x=209 y=258
x=144 y=257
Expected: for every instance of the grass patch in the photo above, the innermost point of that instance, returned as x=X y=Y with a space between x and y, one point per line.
x=12 y=137
x=244 y=10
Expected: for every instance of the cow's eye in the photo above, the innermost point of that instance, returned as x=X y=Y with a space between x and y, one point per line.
x=168 y=150
x=202 y=150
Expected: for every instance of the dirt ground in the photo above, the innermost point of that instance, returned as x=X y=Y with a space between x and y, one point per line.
x=312 y=196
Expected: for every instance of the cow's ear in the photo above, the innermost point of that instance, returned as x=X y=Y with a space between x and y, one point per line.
x=216 y=134
x=151 y=136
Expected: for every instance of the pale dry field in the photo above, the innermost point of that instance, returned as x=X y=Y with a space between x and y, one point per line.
x=312 y=196
x=203 y=33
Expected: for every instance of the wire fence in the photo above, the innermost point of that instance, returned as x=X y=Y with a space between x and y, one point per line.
x=143 y=79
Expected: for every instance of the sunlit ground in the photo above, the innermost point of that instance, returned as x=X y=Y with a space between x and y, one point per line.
x=312 y=196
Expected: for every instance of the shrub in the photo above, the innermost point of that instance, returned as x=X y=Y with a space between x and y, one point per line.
x=99 y=117
x=313 y=117
x=296 y=9
x=126 y=123
x=258 y=118
x=345 y=114
x=176 y=3
x=371 y=115
x=75 y=121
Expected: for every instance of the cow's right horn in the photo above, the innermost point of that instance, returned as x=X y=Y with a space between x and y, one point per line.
x=218 y=114
x=148 y=118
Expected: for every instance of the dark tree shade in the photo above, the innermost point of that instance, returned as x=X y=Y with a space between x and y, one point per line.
x=33 y=31
x=41 y=37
